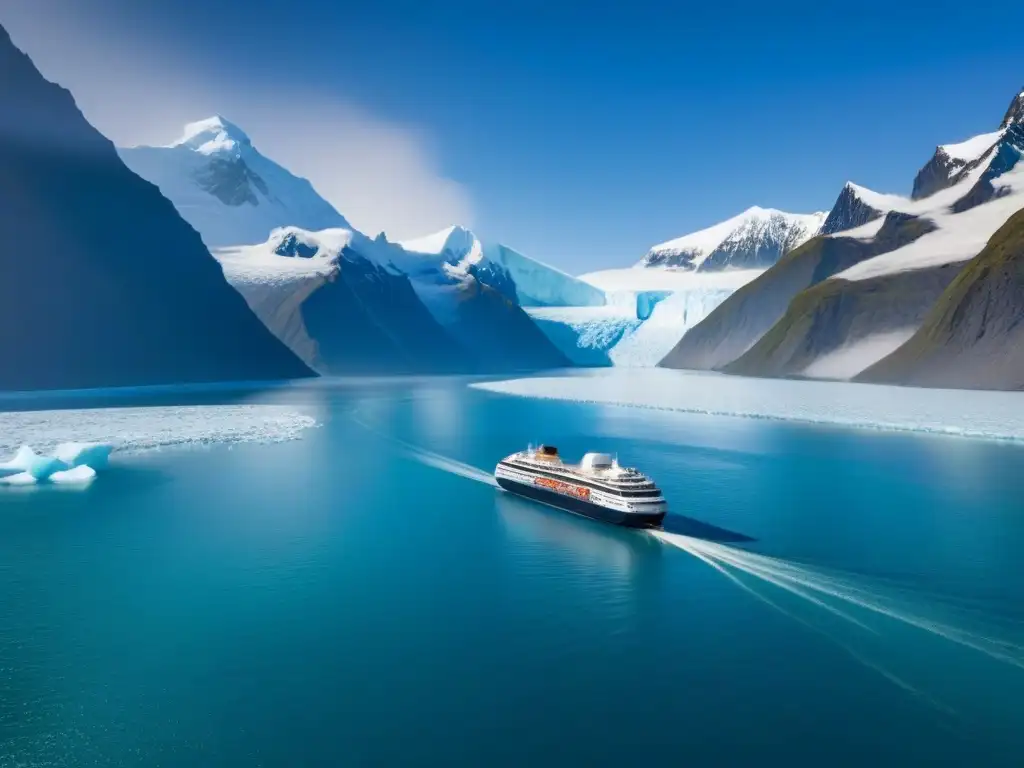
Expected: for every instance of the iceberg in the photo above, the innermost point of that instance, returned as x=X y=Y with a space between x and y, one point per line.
x=95 y=455
x=21 y=478
x=27 y=461
x=79 y=475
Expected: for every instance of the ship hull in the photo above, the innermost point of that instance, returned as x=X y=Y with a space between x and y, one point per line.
x=582 y=507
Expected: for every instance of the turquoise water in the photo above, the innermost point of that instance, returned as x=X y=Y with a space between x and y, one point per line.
x=349 y=599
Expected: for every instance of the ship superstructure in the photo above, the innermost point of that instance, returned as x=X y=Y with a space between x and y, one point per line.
x=598 y=487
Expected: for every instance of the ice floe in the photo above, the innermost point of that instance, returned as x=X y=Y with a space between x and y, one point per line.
x=987 y=415
x=75 y=443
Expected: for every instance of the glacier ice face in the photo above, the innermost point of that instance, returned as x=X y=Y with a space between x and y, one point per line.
x=638 y=326
x=538 y=285
x=670 y=318
x=457 y=250
x=585 y=335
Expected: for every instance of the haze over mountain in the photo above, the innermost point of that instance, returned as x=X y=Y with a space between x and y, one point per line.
x=110 y=286
x=345 y=302
x=226 y=189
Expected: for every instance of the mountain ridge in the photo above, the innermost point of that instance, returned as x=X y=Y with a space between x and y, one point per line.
x=127 y=263
x=756 y=238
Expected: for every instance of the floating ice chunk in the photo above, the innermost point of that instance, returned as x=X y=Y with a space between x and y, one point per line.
x=28 y=461
x=80 y=474
x=93 y=454
x=21 y=478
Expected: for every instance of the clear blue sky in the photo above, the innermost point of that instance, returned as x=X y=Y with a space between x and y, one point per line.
x=583 y=133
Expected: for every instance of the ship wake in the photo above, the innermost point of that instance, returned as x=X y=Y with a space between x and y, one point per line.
x=870 y=619
x=445 y=464
x=429 y=458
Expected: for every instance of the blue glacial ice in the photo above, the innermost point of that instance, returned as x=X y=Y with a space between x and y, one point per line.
x=95 y=455
x=27 y=462
x=636 y=328
x=79 y=475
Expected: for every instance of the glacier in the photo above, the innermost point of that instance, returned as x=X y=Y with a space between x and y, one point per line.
x=984 y=415
x=534 y=284
x=647 y=312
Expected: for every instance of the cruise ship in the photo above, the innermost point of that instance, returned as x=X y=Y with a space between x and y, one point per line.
x=597 y=487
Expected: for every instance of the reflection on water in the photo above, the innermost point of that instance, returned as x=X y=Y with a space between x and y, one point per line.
x=593 y=543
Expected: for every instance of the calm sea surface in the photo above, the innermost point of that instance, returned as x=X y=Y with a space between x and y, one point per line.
x=361 y=596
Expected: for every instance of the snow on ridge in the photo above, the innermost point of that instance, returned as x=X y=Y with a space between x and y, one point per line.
x=973 y=148
x=453 y=238
x=212 y=135
x=880 y=201
x=702 y=243
x=536 y=281
x=959 y=236
x=934 y=207
x=229 y=192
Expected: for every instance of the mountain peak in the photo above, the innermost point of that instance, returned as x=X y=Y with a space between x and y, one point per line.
x=455 y=238
x=1015 y=114
x=212 y=135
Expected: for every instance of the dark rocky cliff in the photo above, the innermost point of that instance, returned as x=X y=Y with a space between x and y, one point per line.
x=105 y=284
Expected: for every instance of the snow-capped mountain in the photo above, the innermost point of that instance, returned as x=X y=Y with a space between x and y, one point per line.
x=755 y=239
x=528 y=282
x=111 y=287
x=857 y=205
x=342 y=301
x=335 y=300
x=846 y=300
x=226 y=189
x=347 y=303
x=952 y=161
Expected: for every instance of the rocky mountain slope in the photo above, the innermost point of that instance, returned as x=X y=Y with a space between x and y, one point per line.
x=973 y=336
x=884 y=275
x=743 y=318
x=108 y=285
x=348 y=304
x=343 y=302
